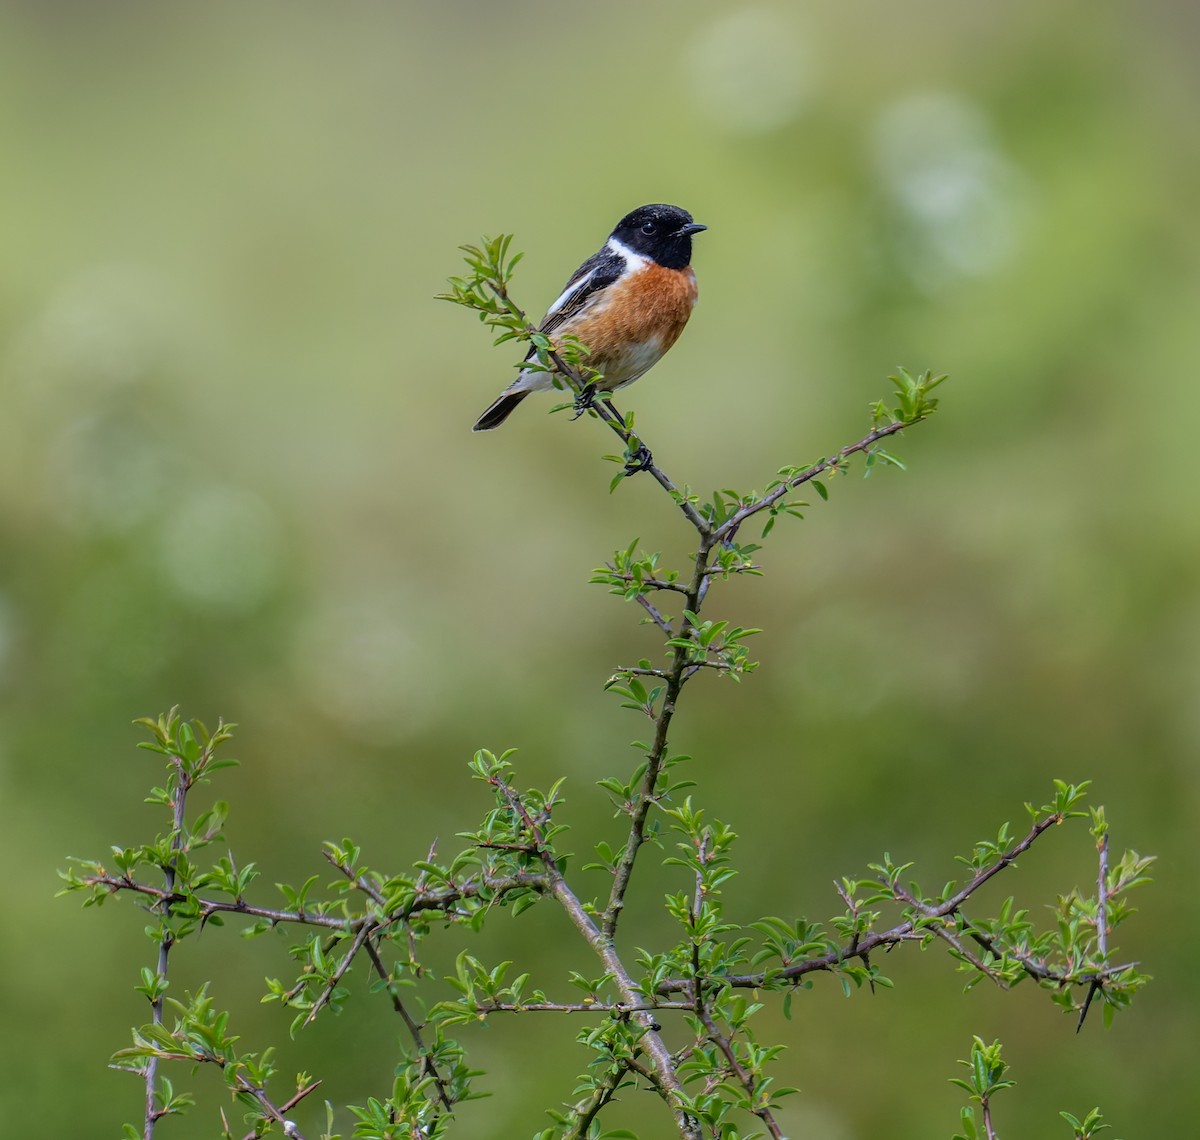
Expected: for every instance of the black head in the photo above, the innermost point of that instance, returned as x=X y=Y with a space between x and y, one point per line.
x=662 y=233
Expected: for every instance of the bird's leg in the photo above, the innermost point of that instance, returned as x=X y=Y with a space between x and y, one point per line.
x=617 y=415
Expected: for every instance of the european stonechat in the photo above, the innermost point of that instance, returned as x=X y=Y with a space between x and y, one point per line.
x=627 y=303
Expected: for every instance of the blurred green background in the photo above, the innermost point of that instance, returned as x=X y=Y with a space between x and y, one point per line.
x=235 y=473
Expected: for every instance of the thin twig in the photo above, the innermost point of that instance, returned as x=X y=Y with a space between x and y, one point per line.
x=860 y=947
x=647 y=1074
x=182 y=786
x=1101 y=928
x=650 y=583
x=325 y=996
x=241 y=1084
x=602 y=1092
x=763 y=1112
x=361 y=882
x=655 y=615
x=940 y=928
x=414 y=1029
x=1102 y=899
x=288 y=1105
x=726 y=531
x=443 y=900
x=276 y=1113
x=989 y=1131
x=646 y=796
x=606 y=1007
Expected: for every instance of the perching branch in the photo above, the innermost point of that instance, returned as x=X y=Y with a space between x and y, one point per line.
x=602 y=409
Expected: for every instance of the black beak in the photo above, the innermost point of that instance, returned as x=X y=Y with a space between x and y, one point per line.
x=689 y=229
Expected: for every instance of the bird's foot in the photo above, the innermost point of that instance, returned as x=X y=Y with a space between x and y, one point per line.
x=585 y=400
x=638 y=459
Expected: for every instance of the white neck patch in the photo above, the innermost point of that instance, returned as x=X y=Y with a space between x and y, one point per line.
x=632 y=260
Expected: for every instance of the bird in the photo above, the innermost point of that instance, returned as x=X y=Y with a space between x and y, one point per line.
x=627 y=304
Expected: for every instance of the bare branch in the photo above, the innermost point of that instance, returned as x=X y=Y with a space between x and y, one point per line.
x=655 y=615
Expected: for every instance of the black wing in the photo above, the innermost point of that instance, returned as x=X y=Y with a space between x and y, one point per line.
x=598 y=272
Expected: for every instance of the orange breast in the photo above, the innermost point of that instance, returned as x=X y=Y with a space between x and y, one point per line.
x=640 y=318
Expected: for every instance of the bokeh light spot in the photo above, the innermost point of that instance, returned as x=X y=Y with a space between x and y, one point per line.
x=103 y=475
x=7 y=636
x=105 y=327
x=963 y=205
x=360 y=657
x=221 y=548
x=750 y=71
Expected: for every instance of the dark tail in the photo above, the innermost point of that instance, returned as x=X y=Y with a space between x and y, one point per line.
x=499 y=411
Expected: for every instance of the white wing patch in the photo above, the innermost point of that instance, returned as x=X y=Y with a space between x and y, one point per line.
x=574 y=287
x=640 y=357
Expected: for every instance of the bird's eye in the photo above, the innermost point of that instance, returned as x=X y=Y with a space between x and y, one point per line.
x=648 y=227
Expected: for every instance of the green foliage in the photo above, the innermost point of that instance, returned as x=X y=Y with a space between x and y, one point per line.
x=484 y=290
x=986 y=1077
x=986 y=1070
x=709 y=979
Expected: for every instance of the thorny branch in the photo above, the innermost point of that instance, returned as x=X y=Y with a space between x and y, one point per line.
x=603 y=1092
x=726 y=531
x=427 y=900
x=722 y=1042
x=696 y=993
x=1101 y=926
x=909 y=930
x=414 y=1029
x=271 y=1110
x=639 y=810
x=289 y=1129
x=163 y=906
x=664 y=1066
